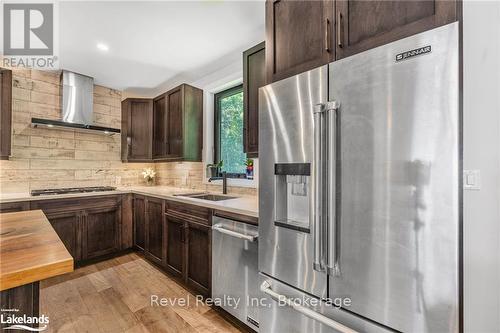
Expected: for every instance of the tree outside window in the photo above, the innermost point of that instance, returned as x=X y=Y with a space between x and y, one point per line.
x=229 y=131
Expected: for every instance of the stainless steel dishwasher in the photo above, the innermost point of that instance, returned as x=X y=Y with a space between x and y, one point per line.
x=235 y=274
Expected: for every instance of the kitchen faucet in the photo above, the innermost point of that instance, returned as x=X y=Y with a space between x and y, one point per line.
x=224 y=181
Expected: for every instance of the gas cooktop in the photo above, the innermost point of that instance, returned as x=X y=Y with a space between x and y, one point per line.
x=67 y=190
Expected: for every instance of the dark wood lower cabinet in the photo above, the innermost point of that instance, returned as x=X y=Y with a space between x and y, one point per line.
x=67 y=225
x=199 y=263
x=154 y=230
x=101 y=231
x=175 y=248
x=139 y=222
x=88 y=227
x=176 y=237
x=25 y=299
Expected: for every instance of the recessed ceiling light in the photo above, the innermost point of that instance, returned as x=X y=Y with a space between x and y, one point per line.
x=103 y=47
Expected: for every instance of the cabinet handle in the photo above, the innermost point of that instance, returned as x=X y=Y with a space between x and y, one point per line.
x=327 y=35
x=183 y=236
x=339 y=30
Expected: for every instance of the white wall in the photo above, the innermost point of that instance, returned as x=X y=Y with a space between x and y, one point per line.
x=482 y=152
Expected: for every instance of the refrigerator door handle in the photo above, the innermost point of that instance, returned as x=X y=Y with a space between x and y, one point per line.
x=319 y=241
x=266 y=288
x=332 y=263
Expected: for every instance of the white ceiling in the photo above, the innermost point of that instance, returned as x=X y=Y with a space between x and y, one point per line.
x=152 y=43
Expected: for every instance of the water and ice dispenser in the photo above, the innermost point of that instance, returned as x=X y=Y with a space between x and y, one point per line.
x=293 y=195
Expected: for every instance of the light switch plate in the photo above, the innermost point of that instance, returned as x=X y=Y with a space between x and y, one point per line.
x=472 y=180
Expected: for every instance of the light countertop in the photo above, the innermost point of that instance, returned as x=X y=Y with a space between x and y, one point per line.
x=245 y=205
x=30 y=249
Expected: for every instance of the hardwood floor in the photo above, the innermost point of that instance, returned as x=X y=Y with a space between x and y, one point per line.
x=115 y=296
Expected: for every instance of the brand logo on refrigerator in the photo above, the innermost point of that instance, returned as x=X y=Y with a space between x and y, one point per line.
x=413 y=53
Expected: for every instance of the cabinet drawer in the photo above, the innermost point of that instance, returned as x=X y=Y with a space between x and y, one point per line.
x=57 y=205
x=189 y=212
x=18 y=206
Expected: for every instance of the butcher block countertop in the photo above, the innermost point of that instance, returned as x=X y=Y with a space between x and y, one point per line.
x=30 y=249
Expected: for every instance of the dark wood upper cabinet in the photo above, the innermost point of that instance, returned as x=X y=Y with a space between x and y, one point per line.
x=154 y=230
x=299 y=36
x=184 y=123
x=175 y=122
x=362 y=25
x=139 y=222
x=173 y=132
x=302 y=35
x=137 y=122
x=254 y=77
x=5 y=113
x=160 y=124
x=101 y=231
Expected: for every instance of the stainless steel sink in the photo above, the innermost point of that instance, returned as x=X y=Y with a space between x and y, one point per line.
x=206 y=196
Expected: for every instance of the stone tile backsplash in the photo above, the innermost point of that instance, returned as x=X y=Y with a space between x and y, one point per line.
x=45 y=158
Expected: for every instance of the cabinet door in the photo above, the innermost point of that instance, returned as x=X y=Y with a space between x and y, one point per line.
x=362 y=25
x=199 y=265
x=175 y=253
x=254 y=77
x=139 y=222
x=101 y=231
x=127 y=221
x=5 y=112
x=299 y=36
x=192 y=122
x=67 y=225
x=139 y=133
x=159 y=127
x=174 y=122
x=154 y=229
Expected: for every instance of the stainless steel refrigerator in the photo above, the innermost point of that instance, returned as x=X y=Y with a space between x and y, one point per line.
x=359 y=192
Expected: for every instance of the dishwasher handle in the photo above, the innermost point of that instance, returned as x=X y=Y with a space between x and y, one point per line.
x=265 y=287
x=236 y=234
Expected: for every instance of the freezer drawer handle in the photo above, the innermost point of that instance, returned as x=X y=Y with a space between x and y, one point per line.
x=266 y=288
x=221 y=229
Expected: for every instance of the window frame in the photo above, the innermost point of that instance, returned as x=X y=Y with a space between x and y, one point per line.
x=217 y=97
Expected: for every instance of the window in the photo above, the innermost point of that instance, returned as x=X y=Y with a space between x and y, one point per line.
x=229 y=131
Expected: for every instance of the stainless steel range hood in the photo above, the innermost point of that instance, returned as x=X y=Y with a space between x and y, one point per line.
x=77 y=106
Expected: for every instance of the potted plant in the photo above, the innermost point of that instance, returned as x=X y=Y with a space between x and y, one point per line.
x=149 y=174
x=213 y=170
x=249 y=170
